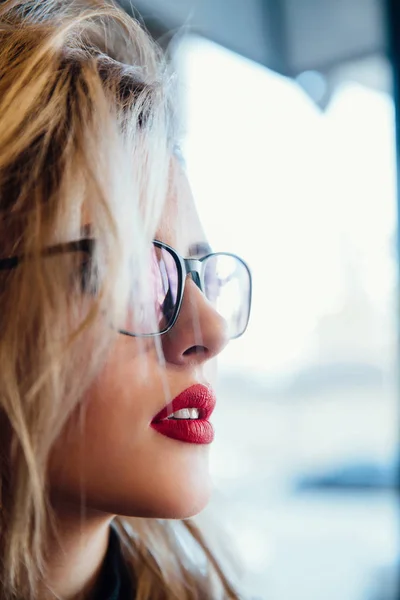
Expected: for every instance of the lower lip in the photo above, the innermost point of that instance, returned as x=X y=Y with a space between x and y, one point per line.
x=189 y=431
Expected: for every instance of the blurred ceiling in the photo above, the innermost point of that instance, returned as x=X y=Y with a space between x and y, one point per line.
x=339 y=39
x=289 y=36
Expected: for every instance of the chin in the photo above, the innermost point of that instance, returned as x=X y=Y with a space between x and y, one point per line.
x=173 y=482
x=183 y=507
x=177 y=503
x=185 y=489
x=175 y=492
x=177 y=500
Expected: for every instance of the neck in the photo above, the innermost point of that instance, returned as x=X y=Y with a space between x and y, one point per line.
x=76 y=552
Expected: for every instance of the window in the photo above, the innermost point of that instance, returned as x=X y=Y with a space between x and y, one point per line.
x=305 y=456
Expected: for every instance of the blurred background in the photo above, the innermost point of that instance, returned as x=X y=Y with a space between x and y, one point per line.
x=290 y=145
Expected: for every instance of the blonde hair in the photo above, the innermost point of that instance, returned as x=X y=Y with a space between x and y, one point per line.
x=86 y=129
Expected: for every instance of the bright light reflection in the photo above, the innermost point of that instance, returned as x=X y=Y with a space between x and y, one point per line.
x=288 y=196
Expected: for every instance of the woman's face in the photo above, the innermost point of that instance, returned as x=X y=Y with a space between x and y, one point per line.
x=109 y=453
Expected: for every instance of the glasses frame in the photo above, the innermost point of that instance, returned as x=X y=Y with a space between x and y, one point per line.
x=194 y=267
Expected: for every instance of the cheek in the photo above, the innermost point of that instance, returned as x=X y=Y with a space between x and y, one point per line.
x=109 y=455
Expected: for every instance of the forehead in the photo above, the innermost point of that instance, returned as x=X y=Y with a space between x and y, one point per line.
x=180 y=225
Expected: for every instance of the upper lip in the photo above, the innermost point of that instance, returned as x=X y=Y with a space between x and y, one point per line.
x=198 y=396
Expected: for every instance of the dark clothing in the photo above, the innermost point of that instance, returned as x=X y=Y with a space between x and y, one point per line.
x=115 y=581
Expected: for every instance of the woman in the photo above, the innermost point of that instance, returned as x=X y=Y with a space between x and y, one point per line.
x=105 y=335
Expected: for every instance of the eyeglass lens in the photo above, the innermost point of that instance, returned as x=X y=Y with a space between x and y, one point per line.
x=225 y=282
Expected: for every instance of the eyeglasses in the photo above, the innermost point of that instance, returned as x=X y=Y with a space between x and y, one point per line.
x=223 y=278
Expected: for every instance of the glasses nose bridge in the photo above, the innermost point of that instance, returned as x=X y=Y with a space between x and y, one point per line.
x=193 y=267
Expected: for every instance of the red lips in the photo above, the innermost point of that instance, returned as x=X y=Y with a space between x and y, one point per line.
x=192 y=431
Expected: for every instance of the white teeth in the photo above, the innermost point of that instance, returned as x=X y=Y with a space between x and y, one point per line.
x=182 y=414
x=185 y=413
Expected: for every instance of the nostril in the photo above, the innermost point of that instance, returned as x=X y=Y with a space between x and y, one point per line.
x=197 y=350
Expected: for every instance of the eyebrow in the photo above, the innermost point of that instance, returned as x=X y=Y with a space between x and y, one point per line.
x=199 y=249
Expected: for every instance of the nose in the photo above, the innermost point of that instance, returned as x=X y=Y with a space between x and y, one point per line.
x=199 y=333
